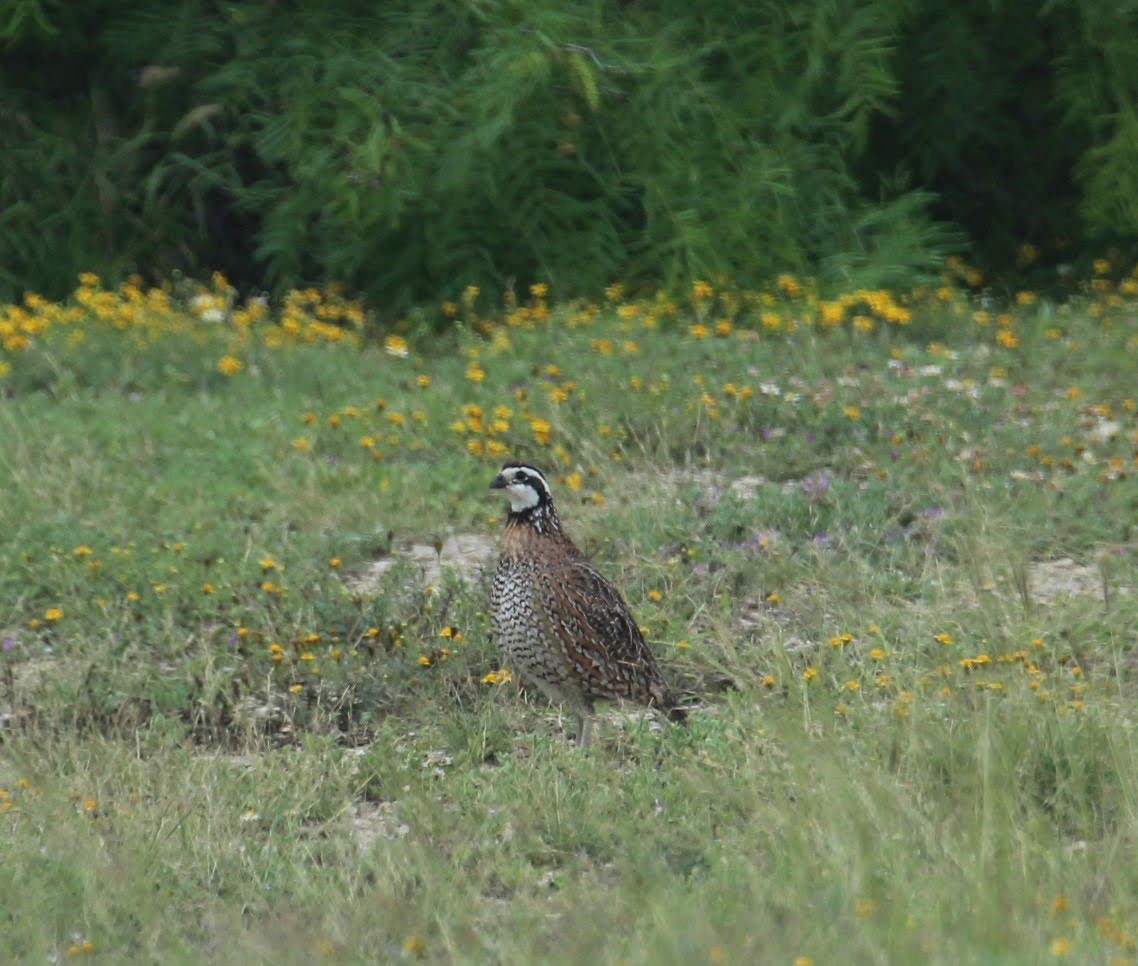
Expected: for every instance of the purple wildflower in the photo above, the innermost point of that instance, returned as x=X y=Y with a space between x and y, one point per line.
x=816 y=486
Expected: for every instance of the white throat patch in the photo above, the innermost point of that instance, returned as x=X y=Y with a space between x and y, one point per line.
x=522 y=497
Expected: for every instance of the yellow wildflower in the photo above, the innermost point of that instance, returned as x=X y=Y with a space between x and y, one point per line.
x=396 y=345
x=789 y=285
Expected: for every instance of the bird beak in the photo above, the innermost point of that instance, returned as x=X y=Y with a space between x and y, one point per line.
x=498 y=483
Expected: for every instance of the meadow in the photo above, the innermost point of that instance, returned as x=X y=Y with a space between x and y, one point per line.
x=250 y=710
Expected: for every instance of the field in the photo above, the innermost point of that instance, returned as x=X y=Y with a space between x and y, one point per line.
x=250 y=710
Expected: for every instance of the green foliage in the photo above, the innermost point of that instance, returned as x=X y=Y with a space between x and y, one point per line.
x=21 y=19
x=1019 y=118
x=1097 y=77
x=964 y=128
x=408 y=149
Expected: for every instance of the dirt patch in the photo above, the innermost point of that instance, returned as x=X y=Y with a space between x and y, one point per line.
x=466 y=555
x=22 y=678
x=1052 y=580
x=374 y=821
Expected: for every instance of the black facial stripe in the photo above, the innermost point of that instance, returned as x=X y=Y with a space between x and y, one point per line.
x=528 y=476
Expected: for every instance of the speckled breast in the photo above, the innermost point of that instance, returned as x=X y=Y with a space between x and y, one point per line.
x=521 y=631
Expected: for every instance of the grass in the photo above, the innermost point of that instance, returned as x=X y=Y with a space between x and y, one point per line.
x=885 y=543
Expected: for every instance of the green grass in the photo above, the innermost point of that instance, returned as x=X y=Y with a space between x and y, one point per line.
x=914 y=735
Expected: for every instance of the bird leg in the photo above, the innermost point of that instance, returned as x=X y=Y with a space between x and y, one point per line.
x=584 y=728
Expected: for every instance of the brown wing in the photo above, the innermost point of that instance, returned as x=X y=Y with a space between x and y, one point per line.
x=600 y=638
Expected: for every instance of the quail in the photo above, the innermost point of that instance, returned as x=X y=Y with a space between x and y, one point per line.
x=561 y=626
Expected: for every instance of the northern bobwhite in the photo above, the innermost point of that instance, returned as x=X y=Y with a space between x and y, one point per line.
x=561 y=626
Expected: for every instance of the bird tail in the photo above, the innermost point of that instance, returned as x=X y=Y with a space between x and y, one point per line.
x=671 y=706
x=661 y=697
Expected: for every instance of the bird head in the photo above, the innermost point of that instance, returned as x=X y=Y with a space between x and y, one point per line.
x=526 y=487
